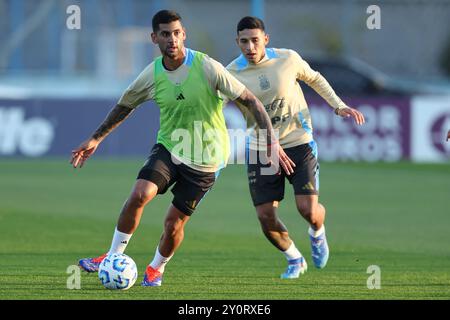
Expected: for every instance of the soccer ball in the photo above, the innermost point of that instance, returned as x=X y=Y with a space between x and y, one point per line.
x=117 y=272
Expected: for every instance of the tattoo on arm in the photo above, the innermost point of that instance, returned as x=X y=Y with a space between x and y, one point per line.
x=115 y=117
x=258 y=111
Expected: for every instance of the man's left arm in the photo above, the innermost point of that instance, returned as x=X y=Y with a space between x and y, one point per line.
x=323 y=88
x=316 y=81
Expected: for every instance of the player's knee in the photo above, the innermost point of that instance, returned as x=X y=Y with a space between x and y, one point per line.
x=139 y=198
x=266 y=217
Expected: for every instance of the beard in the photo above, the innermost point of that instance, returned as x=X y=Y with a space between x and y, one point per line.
x=172 y=54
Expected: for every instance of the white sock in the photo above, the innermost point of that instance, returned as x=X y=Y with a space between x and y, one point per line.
x=159 y=262
x=119 y=242
x=292 y=252
x=316 y=233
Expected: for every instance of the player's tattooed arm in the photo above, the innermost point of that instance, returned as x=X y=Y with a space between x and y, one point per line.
x=114 y=118
x=86 y=149
x=256 y=108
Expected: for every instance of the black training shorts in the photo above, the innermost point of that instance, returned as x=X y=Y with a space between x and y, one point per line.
x=190 y=185
x=305 y=179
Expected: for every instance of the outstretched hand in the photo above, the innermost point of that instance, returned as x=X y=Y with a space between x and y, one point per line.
x=355 y=114
x=83 y=152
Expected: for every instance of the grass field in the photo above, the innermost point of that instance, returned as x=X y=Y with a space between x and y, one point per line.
x=395 y=216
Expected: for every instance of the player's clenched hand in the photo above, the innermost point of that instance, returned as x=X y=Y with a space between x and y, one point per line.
x=448 y=135
x=350 y=112
x=286 y=163
x=83 y=152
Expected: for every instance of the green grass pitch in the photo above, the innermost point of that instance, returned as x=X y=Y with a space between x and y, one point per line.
x=395 y=216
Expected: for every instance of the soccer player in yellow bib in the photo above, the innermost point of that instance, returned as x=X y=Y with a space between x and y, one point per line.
x=273 y=75
x=187 y=86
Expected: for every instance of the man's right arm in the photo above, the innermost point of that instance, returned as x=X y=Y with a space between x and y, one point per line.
x=316 y=81
x=114 y=118
x=139 y=91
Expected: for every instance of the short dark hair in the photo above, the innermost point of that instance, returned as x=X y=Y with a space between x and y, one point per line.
x=250 y=23
x=164 y=16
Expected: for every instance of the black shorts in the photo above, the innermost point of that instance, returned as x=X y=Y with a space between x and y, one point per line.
x=190 y=185
x=305 y=179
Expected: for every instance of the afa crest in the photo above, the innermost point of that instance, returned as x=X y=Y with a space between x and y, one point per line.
x=264 y=83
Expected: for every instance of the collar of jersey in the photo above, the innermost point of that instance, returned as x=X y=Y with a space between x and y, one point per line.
x=242 y=63
x=189 y=59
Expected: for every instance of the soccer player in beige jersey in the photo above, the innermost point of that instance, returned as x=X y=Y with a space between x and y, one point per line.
x=185 y=84
x=272 y=75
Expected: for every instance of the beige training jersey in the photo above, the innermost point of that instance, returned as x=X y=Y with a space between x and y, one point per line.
x=221 y=82
x=274 y=81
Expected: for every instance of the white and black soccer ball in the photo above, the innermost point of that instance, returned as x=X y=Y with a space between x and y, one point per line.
x=117 y=272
